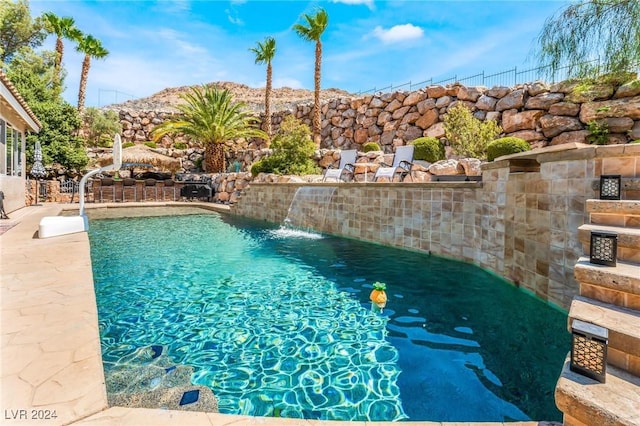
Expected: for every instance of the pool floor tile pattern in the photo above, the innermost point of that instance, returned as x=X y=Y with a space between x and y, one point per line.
x=50 y=344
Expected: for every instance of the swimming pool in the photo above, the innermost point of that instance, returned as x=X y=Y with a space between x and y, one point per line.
x=279 y=323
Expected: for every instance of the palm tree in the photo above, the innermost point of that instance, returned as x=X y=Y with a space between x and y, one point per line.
x=211 y=117
x=264 y=54
x=62 y=27
x=92 y=48
x=316 y=25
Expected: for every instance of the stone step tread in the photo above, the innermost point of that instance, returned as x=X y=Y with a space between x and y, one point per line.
x=631 y=232
x=623 y=323
x=620 y=207
x=625 y=276
x=615 y=402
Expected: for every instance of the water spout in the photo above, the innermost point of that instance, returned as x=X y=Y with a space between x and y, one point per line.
x=309 y=207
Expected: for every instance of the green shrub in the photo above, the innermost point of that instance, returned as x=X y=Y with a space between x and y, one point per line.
x=100 y=126
x=428 y=149
x=180 y=145
x=292 y=151
x=468 y=135
x=598 y=132
x=127 y=145
x=636 y=141
x=198 y=163
x=506 y=146
x=151 y=144
x=370 y=146
x=261 y=166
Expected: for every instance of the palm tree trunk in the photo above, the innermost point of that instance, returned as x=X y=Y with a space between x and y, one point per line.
x=267 y=104
x=316 y=96
x=214 y=158
x=84 y=75
x=58 y=66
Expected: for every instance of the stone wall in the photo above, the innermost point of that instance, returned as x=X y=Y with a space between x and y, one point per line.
x=520 y=222
x=541 y=114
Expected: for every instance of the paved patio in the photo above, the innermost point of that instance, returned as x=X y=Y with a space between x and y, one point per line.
x=50 y=348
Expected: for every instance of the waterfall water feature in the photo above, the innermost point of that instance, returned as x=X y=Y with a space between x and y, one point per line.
x=308 y=210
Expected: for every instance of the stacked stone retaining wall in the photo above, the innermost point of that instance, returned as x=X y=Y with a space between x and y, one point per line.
x=539 y=113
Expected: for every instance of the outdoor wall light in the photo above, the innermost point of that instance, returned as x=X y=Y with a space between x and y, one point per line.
x=610 y=187
x=589 y=350
x=603 y=248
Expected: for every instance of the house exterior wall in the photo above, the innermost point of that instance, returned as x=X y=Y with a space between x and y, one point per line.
x=16 y=119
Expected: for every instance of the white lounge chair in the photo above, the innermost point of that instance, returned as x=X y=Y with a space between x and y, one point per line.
x=402 y=162
x=347 y=165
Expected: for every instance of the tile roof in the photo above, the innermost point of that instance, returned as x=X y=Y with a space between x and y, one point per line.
x=5 y=80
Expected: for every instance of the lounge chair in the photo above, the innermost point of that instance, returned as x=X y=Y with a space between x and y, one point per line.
x=347 y=165
x=402 y=162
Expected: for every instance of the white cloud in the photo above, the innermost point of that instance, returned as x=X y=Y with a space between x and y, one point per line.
x=398 y=33
x=232 y=16
x=181 y=46
x=368 y=3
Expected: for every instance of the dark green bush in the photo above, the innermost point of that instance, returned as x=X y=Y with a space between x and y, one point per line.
x=598 y=132
x=506 y=146
x=265 y=165
x=428 y=149
x=370 y=146
x=180 y=145
x=292 y=151
x=198 y=163
x=151 y=144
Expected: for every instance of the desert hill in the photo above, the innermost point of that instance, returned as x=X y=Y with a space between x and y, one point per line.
x=281 y=98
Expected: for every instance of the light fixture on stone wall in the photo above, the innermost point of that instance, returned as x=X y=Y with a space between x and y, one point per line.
x=603 y=248
x=589 y=350
x=610 y=187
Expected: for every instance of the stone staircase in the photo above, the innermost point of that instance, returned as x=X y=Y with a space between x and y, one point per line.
x=609 y=297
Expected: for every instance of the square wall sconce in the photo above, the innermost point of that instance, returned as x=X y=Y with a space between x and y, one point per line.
x=589 y=350
x=610 y=187
x=603 y=248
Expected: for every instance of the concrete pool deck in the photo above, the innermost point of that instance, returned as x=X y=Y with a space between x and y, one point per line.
x=50 y=349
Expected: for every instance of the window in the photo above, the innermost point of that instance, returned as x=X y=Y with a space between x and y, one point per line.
x=10 y=150
x=3 y=147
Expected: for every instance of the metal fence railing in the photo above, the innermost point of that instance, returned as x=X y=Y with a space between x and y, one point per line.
x=69 y=186
x=510 y=77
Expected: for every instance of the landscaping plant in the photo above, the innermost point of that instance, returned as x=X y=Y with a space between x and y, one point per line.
x=428 y=149
x=370 y=146
x=468 y=135
x=292 y=151
x=598 y=132
x=506 y=146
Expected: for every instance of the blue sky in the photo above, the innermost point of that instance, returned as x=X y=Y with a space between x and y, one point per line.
x=367 y=44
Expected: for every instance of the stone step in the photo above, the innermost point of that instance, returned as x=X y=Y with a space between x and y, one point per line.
x=624 y=330
x=624 y=213
x=587 y=402
x=628 y=240
x=618 y=285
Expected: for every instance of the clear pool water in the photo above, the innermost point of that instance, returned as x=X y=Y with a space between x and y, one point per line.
x=279 y=323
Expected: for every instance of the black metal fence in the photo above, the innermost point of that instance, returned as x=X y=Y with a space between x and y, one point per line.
x=509 y=78
x=69 y=186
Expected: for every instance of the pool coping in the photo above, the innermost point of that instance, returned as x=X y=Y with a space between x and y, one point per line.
x=50 y=345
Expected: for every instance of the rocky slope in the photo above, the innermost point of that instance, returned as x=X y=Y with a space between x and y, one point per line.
x=281 y=99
